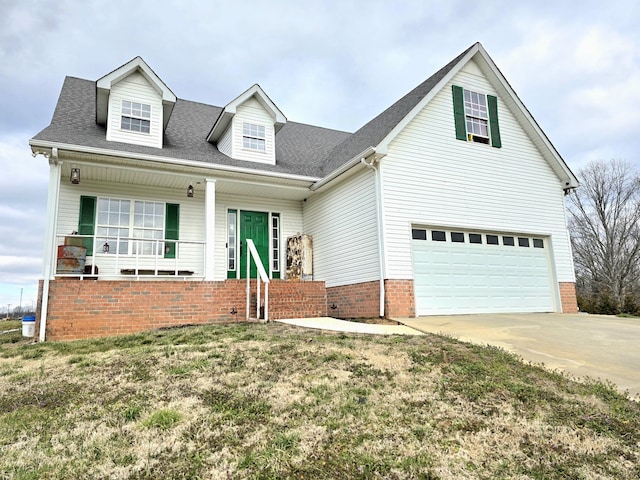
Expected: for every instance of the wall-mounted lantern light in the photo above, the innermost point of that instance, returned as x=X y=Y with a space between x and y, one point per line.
x=75 y=176
x=190 y=191
x=105 y=247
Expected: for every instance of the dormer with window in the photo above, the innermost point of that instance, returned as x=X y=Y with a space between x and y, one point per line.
x=134 y=104
x=246 y=129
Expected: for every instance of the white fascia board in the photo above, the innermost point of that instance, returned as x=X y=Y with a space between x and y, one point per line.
x=137 y=64
x=35 y=144
x=104 y=84
x=384 y=144
x=342 y=169
x=221 y=125
x=570 y=180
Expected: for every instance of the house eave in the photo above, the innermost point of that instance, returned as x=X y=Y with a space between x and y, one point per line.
x=38 y=145
x=342 y=169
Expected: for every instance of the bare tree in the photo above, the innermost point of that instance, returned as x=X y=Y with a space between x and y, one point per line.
x=604 y=221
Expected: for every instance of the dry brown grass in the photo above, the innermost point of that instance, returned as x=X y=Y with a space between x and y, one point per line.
x=275 y=401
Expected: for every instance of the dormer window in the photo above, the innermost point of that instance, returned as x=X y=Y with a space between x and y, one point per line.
x=253 y=137
x=136 y=117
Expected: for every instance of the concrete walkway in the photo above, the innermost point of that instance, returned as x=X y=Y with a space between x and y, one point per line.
x=328 y=323
x=596 y=346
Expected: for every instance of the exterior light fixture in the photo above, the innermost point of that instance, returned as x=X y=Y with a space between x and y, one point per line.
x=75 y=176
x=190 y=191
x=105 y=247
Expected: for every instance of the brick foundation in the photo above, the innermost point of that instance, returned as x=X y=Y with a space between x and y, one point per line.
x=84 y=309
x=568 y=297
x=362 y=300
x=399 y=301
x=359 y=300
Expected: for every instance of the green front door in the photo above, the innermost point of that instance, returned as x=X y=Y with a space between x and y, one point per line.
x=254 y=225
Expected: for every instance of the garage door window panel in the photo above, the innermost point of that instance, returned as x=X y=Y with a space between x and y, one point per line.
x=475 y=238
x=457 y=237
x=438 y=236
x=418 y=234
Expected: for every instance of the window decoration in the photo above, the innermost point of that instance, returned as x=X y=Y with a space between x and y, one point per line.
x=136 y=117
x=253 y=137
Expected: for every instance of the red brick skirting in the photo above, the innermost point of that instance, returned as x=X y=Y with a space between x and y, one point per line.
x=568 y=297
x=362 y=300
x=359 y=300
x=83 y=309
x=399 y=301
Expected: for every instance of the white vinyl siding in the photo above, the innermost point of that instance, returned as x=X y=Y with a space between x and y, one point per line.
x=191 y=222
x=225 y=145
x=431 y=178
x=290 y=224
x=252 y=112
x=134 y=88
x=343 y=224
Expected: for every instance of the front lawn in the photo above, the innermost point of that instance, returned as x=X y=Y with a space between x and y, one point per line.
x=275 y=401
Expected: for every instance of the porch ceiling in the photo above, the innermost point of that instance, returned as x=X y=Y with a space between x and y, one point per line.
x=136 y=173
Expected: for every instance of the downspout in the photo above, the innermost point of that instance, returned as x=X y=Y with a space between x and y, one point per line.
x=380 y=215
x=50 y=236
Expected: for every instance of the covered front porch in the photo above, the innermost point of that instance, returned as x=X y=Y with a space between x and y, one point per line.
x=130 y=225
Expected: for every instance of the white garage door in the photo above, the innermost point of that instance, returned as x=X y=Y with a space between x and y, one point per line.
x=457 y=272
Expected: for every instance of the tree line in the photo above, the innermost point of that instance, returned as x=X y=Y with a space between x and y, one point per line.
x=604 y=223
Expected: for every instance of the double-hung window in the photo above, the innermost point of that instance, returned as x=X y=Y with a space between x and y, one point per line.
x=476 y=117
x=136 y=117
x=133 y=227
x=253 y=137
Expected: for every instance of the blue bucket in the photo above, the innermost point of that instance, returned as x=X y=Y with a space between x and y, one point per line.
x=28 y=326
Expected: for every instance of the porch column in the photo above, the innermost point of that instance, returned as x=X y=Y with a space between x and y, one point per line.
x=210 y=228
x=50 y=240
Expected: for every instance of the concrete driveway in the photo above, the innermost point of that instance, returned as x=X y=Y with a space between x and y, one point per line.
x=596 y=346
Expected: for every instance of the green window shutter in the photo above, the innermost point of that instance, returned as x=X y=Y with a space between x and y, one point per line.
x=87 y=221
x=458 y=113
x=171 y=229
x=492 y=103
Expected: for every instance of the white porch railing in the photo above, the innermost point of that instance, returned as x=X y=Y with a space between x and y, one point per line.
x=252 y=252
x=127 y=257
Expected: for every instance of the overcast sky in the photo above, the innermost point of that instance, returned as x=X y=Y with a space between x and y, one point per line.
x=337 y=64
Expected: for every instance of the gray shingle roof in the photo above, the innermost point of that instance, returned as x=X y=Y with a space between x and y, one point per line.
x=372 y=133
x=300 y=149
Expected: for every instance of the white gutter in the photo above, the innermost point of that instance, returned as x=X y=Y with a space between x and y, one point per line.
x=340 y=170
x=168 y=160
x=380 y=215
x=50 y=236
